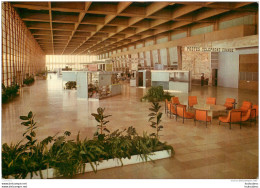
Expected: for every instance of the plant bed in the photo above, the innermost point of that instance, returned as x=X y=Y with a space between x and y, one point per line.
x=156 y=94
x=64 y=157
x=8 y=93
x=71 y=85
x=29 y=80
x=106 y=164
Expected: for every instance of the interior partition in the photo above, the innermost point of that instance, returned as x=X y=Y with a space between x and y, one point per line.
x=228 y=67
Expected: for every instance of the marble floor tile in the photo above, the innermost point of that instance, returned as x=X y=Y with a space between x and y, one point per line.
x=215 y=152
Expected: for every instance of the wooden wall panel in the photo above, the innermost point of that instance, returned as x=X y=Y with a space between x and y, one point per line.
x=248 y=67
x=248 y=64
x=249 y=85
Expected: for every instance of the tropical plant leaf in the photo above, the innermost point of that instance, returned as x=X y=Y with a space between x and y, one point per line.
x=67 y=133
x=153 y=126
x=151 y=118
x=33 y=134
x=153 y=134
x=152 y=109
x=105 y=129
x=30 y=114
x=26 y=123
x=29 y=138
x=153 y=123
x=160 y=126
x=24 y=118
x=105 y=122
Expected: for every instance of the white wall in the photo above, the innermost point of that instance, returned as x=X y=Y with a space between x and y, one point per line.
x=228 y=67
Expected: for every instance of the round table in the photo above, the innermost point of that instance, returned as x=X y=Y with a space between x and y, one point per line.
x=213 y=110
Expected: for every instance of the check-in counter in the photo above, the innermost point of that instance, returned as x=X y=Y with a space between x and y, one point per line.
x=172 y=80
x=115 y=89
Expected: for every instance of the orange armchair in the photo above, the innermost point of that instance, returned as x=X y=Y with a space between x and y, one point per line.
x=249 y=115
x=175 y=100
x=234 y=116
x=230 y=103
x=256 y=108
x=211 y=100
x=254 y=113
x=202 y=115
x=192 y=100
x=170 y=108
x=246 y=105
x=181 y=112
x=167 y=106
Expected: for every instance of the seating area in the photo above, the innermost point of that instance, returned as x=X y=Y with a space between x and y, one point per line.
x=202 y=113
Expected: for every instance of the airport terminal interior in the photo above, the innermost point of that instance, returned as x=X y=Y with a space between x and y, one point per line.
x=64 y=60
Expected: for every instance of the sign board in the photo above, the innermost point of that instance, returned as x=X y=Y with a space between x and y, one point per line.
x=208 y=49
x=92 y=67
x=109 y=67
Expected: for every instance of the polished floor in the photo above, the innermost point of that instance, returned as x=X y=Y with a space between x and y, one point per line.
x=215 y=152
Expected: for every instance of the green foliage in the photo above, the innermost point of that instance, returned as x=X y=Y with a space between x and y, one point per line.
x=28 y=158
x=71 y=85
x=68 y=156
x=29 y=134
x=92 y=89
x=156 y=93
x=42 y=73
x=9 y=92
x=29 y=80
x=155 y=118
x=100 y=118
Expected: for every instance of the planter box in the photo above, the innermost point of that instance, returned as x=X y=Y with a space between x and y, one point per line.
x=50 y=173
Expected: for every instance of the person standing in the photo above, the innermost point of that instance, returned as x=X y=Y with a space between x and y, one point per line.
x=202 y=79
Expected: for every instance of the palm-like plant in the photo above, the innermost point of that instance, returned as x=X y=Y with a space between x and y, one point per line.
x=155 y=118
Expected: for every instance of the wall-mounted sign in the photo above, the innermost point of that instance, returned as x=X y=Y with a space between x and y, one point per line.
x=208 y=49
x=109 y=67
x=92 y=67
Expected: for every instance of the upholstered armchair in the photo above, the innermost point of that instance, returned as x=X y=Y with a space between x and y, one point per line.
x=181 y=112
x=211 y=100
x=232 y=117
x=202 y=115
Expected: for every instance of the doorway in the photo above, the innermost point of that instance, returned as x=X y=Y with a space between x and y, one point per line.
x=140 y=79
x=214 y=77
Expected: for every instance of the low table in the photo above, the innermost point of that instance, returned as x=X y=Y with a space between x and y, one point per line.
x=213 y=110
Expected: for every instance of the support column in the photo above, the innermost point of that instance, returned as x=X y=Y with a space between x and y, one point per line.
x=179 y=48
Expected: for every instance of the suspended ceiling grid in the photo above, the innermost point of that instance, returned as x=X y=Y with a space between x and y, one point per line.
x=79 y=28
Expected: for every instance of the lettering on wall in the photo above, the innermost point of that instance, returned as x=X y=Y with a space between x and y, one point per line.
x=208 y=49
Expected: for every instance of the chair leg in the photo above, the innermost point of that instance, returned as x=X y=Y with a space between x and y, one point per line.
x=206 y=123
x=183 y=120
x=229 y=125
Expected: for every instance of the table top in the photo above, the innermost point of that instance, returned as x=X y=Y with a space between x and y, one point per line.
x=210 y=107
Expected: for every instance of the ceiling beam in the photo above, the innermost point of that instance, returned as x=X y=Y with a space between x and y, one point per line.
x=50 y=14
x=81 y=16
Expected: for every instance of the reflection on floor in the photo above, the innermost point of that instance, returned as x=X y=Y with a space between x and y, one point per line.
x=213 y=152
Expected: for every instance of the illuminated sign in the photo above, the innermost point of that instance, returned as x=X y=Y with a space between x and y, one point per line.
x=208 y=49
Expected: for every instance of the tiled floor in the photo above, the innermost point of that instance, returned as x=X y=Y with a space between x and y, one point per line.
x=212 y=153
